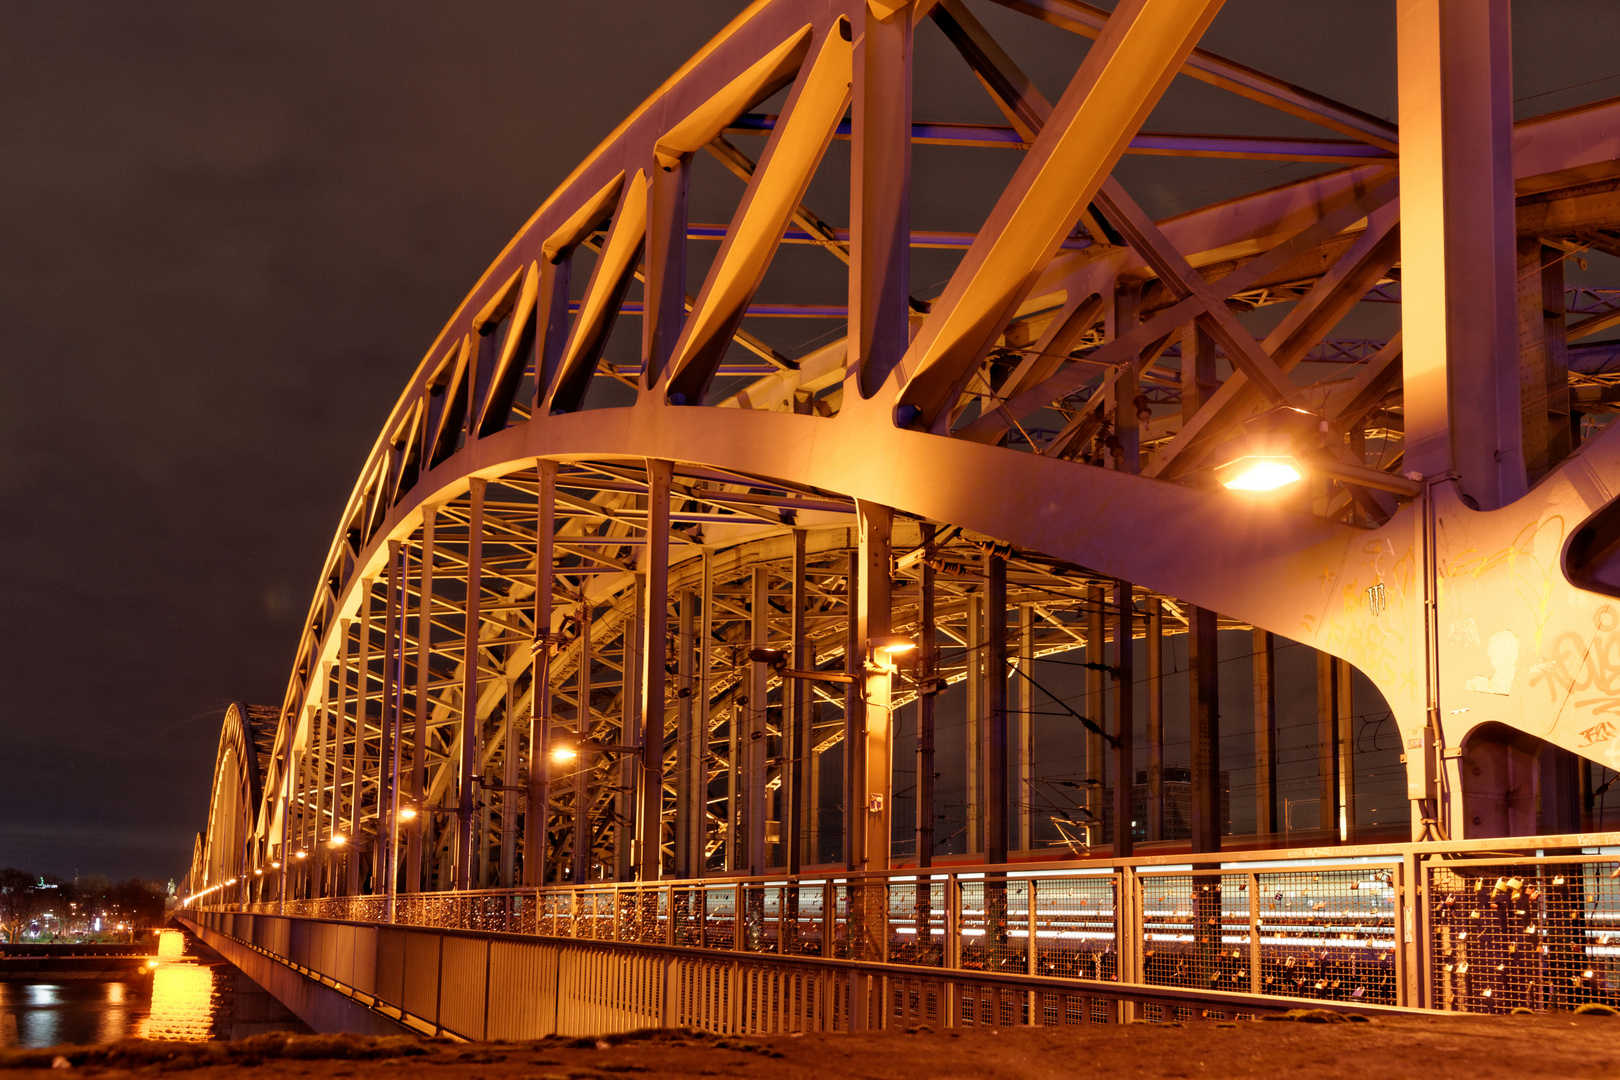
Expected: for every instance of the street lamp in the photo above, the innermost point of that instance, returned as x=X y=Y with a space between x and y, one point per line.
x=893 y=644
x=1259 y=462
x=1266 y=456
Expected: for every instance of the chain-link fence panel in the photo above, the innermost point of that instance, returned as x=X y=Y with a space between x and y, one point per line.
x=1328 y=934
x=1523 y=935
x=993 y=930
x=1076 y=934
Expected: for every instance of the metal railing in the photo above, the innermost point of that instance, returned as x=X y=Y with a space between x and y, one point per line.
x=1476 y=926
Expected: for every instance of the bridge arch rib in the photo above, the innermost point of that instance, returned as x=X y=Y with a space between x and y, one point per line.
x=546 y=508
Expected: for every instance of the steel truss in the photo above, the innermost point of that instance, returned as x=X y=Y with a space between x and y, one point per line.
x=681 y=568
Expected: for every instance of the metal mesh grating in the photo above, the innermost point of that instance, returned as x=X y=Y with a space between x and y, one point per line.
x=1328 y=934
x=916 y=923
x=720 y=918
x=762 y=918
x=688 y=916
x=994 y=925
x=1524 y=935
x=1075 y=934
x=1195 y=931
x=804 y=920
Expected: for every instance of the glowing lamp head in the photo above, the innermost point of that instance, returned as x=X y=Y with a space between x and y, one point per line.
x=407 y=813
x=1259 y=462
x=1260 y=473
x=300 y=854
x=563 y=754
x=338 y=840
x=893 y=644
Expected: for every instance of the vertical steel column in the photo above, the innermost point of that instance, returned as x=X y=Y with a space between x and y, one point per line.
x=880 y=193
x=1265 y=732
x=1345 y=722
x=1155 y=719
x=736 y=798
x=319 y=848
x=469 y=685
x=703 y=722
x=631 y=768
x=1198 y=379
x=583 y=763
x=1124 y=718
x=395 y=708
x=343 y=758
x=874 y=795
x=284 y=783
x=688 y=798
x=362 y=716
x=537 y=819
x=385 y=725
x=509 y=783
x=300 y=801
x=1026 y=723
x=928 y=664
x=1458 y=321
x=756 y=742
x=796 y=742
x=974 y=739
x=994 y=754
x=654 y=658
x=876 y=732
x=1329 y=781
x=1096 y=706
x=1204 y=728
x=424 y=706
x=854 y=798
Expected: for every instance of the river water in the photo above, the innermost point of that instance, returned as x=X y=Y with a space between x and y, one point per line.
x=182 y=998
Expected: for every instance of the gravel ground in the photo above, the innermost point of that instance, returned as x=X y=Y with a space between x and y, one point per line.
x=1475 y=1047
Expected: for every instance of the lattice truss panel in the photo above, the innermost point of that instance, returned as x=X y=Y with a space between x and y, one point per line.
x=588 y=432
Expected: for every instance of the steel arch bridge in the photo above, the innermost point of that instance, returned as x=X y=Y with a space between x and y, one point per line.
x=584 y=618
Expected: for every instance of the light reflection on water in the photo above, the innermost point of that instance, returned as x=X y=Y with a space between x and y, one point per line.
x=179 y=1001
x=183 y=1003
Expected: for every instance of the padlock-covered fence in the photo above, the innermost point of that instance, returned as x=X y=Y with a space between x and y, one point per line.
x=1482 y=926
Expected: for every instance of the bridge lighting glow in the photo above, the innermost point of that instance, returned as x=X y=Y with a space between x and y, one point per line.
x=1259 y=473
x=300 y=854
x=407 y=813
x=338 y=840
x=562 y=755
x=893 y=644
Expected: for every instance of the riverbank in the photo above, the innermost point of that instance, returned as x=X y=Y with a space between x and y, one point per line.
x=1431 y=1048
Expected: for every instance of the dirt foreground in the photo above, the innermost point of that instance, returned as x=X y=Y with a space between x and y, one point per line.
x=1475 y=1047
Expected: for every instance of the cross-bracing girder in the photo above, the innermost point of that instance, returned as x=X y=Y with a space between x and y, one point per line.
x=1062 y=396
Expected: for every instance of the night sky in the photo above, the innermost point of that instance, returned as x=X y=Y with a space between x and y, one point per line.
x=227 y=234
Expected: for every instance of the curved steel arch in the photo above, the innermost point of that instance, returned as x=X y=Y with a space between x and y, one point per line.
x=927 y=406
x=236 y=798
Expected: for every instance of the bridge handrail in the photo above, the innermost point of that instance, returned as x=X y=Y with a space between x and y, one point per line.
x=1369 y=924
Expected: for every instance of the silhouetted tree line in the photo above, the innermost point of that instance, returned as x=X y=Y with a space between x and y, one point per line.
x=25 y=896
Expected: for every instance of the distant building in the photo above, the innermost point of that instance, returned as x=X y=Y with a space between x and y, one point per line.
x=1177 y=785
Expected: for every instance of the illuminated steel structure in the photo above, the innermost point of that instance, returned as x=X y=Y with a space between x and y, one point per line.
x=687 y=583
